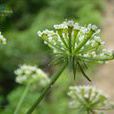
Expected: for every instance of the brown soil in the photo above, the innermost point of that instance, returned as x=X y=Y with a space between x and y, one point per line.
x=104 y=76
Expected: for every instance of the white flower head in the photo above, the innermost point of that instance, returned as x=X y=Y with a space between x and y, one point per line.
x=72 y=42
x=31 y=74
x=89 y=98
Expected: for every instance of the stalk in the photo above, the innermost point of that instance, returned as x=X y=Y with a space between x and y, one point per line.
x=21 y=99
x=40 y=98
x=83 y=42
x=93 y=112
x=88 y=112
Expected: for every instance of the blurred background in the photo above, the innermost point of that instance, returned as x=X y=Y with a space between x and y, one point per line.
x=20 y=25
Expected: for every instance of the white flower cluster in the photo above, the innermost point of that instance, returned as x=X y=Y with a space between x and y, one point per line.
x=89 y=97
x=31 y=74
x=2 y=39
x=72 y=39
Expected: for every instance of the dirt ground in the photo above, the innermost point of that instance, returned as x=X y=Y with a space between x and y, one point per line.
x=104 y=77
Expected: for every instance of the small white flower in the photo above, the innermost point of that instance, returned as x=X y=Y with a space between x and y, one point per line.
x=2 y=39
x=92 y=27
x=97 y=38
x=70 y=23
x=76 y=26
x=61 y=26
x=39 y=33
x=84 y=30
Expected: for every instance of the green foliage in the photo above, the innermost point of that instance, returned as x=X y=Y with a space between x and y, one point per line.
x=5 y=11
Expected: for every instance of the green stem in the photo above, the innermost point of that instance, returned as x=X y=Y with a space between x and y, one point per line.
x=97 y=58
x=21 y=99
x=53 y=80
x=81 y=44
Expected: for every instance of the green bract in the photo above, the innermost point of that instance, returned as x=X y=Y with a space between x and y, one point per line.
x=88 y=98
x=27 y=74
x=2 y=39
x=76 y=44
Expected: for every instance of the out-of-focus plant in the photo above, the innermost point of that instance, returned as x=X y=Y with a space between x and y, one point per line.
x=89 y=99
x=4 y=10
x=76 y=45
x=29 y=75
x=2 y=39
